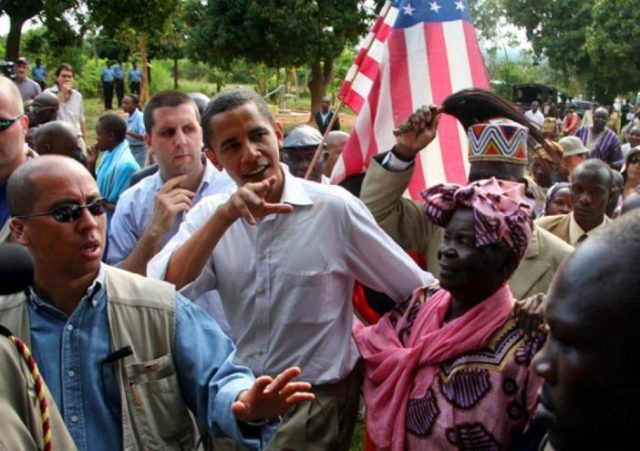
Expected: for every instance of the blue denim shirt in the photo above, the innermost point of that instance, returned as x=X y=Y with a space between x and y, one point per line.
x=70 y=351
x=106 y=75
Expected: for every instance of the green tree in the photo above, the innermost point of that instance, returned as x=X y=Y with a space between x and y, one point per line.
x=278 y=33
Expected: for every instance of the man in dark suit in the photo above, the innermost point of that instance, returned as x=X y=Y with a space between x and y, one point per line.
x=324 y=116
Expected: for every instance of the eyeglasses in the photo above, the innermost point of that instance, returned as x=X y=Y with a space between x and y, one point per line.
x=6 y=123
x=633 y=159
x=72 y=212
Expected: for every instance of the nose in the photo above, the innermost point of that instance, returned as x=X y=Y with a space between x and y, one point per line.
x=250 y=152
x=180 y=139
x=542 y=363
x=446 y=250
x=87 y=221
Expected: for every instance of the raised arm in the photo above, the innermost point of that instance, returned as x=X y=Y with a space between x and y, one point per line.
x=248 y=202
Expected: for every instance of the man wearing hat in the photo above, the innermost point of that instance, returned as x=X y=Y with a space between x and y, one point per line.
x=323 y=117
x=298 y=149
x=496 y=148
x=29 y=89
x=573 y=152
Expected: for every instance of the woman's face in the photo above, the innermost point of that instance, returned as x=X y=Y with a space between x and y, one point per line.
x=633 y=166
x=560 y=203
x=463 y=266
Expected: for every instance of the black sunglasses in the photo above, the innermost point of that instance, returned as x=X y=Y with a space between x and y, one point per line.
x=6 y=123
x=633 y=159
x=71 y=212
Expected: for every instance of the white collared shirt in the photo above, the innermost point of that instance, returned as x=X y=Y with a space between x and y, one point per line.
x=575 y=231
x=286 y=283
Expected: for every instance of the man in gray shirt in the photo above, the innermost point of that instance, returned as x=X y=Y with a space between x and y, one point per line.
x=29 y=89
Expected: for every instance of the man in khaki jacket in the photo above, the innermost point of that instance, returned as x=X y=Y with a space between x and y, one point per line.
x=129 y=362
x=21 y=426
x=591 y=185
x=404 y=220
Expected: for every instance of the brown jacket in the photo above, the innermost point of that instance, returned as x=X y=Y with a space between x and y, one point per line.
x=405 y=221
x=560 y=225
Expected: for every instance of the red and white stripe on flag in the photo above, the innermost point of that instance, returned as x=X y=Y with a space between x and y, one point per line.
x=417 y=53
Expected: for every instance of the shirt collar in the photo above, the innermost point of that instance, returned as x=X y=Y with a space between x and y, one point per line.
x=294 y=192
x=575 y=231
x=96 y=287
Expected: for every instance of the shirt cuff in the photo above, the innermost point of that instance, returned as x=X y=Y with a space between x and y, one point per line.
x=395 y=164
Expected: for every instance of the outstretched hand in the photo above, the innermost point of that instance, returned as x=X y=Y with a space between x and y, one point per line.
x=270 y=398
x=249 y=202
x=417 y=132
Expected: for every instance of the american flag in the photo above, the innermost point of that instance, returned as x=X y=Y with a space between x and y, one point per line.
x=417 y=53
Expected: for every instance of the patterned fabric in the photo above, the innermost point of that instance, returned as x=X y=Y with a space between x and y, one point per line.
x=500 y=212
x=606 y=148
x=481 y=400
x=38 y=386
x=498 y=140
x=403 y=354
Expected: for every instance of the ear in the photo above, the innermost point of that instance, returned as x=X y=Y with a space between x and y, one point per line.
x=148 y=142
x=279 y=134
x=19 y=231
x=213 y=158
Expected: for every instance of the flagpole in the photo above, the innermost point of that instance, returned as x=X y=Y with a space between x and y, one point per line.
x=316 y=155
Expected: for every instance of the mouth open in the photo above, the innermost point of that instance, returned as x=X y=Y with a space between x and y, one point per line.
x=257 y=172
x=91 y=250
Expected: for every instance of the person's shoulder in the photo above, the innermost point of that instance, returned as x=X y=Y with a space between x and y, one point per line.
x=137 y=192
x=547 y=221
x=552 y=246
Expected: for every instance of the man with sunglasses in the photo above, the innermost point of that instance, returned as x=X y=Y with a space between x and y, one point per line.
x=128 y=360
x=13 y=129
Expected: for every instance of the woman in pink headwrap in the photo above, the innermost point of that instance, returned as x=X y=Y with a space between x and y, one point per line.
x=450 y=369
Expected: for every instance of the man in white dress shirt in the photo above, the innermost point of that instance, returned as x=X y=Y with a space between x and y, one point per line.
x=285 y=272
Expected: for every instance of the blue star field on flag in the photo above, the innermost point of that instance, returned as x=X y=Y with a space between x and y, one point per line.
x=412 y=12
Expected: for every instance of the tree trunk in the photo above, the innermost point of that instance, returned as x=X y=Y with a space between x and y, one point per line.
x=321 y=76
x=175 y=73
x=146 y=79
x=13 y=38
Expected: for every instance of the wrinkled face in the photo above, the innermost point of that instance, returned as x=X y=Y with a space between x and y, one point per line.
x=582 y=364
x=74 y=248
x=634 y=137
x=12 y=137
x=65 y=76
x=590 y=191
x=127 y=105
x=462 y=264
x=600 y=118
x=247 y=145
x=560 y=203
x=299 y=161
x=176 y=140
x=325 y=105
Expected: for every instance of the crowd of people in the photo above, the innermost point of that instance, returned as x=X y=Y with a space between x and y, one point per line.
x=196 y=262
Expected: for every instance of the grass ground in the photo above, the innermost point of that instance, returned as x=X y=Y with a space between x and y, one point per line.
x=298 y=114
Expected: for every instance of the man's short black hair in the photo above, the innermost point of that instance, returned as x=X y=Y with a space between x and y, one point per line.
x=595 y=165
x=163 y=99
x=229 y=100
x=113 y=123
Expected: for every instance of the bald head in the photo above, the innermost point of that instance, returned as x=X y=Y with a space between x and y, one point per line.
x=335 y=143
x=631 y=202
x=43 y=109
x=23 y=190
x=10 y=98
x=56 y=138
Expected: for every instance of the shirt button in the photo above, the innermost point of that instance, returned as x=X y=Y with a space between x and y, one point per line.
x=70 y=327
x=262 y=291
x=261 y=257
x=74 y=419
x=71 y=373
